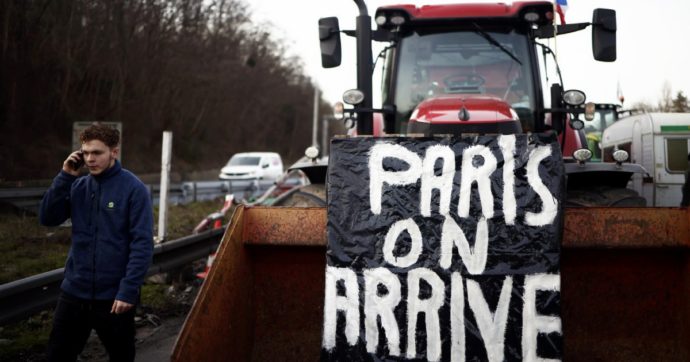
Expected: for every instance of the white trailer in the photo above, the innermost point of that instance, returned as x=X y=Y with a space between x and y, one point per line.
x=660 y=142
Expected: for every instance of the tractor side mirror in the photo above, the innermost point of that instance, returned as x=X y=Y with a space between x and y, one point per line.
x=604 y=35
x=329 y=37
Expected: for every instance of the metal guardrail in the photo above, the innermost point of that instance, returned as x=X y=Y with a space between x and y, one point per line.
x=29 y=198
x=22 y=298
x=26 y=198
x=209 y=190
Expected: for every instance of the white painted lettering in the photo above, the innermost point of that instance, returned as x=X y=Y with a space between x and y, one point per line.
x=532 y=323
x=457 y=319
x=349 y=304
x=392 y=236
x=430 y=307
x=492 y=326
x=381 y=306
x=474 y=257
x=444 y=182
x=507 y=145
x=549 y=207
x=480 y=174
x=378 y=176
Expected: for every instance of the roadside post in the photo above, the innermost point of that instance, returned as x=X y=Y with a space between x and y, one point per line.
x=315 y=117
x=324 y=136
x=166 y=153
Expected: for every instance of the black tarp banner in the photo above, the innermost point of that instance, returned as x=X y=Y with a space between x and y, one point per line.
x=444 y=249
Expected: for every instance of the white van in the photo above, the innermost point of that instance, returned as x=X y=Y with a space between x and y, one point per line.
x=253 y=166
x=660 y=142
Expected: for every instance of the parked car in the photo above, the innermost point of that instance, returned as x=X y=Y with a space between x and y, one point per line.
x=253 y=166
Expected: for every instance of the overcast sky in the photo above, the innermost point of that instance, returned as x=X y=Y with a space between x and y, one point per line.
x=653 y=45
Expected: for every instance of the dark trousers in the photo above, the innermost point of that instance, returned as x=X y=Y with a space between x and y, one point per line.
x=75 y=318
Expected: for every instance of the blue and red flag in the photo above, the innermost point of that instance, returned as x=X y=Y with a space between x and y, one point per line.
x=561 y=8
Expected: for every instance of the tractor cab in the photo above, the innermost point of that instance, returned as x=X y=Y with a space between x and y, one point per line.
x=460 y=69
x=465 y=69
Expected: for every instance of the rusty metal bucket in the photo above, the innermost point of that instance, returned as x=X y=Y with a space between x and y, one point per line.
x=625 y=287
x=262 y=299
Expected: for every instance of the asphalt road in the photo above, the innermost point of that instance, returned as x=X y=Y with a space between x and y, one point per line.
x=158 y=345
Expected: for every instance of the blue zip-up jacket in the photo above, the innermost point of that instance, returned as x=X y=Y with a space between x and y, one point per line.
x=112 y=232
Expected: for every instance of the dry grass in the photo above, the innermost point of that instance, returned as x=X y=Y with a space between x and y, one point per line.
x=27 y=248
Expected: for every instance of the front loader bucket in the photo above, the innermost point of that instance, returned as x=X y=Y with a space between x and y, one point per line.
x=625 y=284
x=262 y=299
x=625 y=287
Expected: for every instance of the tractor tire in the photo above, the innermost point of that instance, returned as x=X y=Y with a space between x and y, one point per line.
x=313 y=195
x=605 y=197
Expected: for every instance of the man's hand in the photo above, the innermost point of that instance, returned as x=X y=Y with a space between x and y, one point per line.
x=120 y=307
x=73 y=159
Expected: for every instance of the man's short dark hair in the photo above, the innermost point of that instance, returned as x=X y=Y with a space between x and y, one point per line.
x=108 y=135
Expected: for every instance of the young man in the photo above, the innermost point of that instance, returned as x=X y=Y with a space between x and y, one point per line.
x=112 y=245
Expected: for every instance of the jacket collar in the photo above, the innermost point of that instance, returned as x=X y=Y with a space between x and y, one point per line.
x=109 y=172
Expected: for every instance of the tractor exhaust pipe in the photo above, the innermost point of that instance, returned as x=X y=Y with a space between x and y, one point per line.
x=364 y=71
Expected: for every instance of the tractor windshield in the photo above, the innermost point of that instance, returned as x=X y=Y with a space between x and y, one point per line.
x=474 y=61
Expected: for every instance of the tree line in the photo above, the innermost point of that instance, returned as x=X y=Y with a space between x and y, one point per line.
x=198 y=68
x=667 y=102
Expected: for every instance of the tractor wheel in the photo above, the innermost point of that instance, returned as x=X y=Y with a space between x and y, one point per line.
x=605 y=197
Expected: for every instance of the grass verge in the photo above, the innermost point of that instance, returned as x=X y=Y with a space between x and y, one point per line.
x=27 y=248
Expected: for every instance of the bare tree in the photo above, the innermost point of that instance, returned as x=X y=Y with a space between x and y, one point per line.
x=643 y=106
x=666 y=100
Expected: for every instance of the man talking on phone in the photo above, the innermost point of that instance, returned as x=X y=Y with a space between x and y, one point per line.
x=112 y=245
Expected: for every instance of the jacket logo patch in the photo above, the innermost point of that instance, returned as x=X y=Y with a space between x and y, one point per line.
x=111 y=205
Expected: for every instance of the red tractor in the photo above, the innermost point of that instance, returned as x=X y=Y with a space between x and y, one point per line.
x=458 y=69
x=478 y=69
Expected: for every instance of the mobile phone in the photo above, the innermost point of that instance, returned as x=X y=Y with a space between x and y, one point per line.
x=79 y=163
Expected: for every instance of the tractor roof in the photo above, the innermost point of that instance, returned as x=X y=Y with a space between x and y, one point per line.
x=473 y=11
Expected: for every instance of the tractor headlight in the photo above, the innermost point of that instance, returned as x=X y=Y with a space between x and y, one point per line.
x=574 y=97
x=620 y=156
x=311 y=152
x=398 y=20
x=350 y=123
x=381 y=20
x=532 y=17
x=353 y=97
x=582 y=155
x=391 y=18
x=576 y=124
